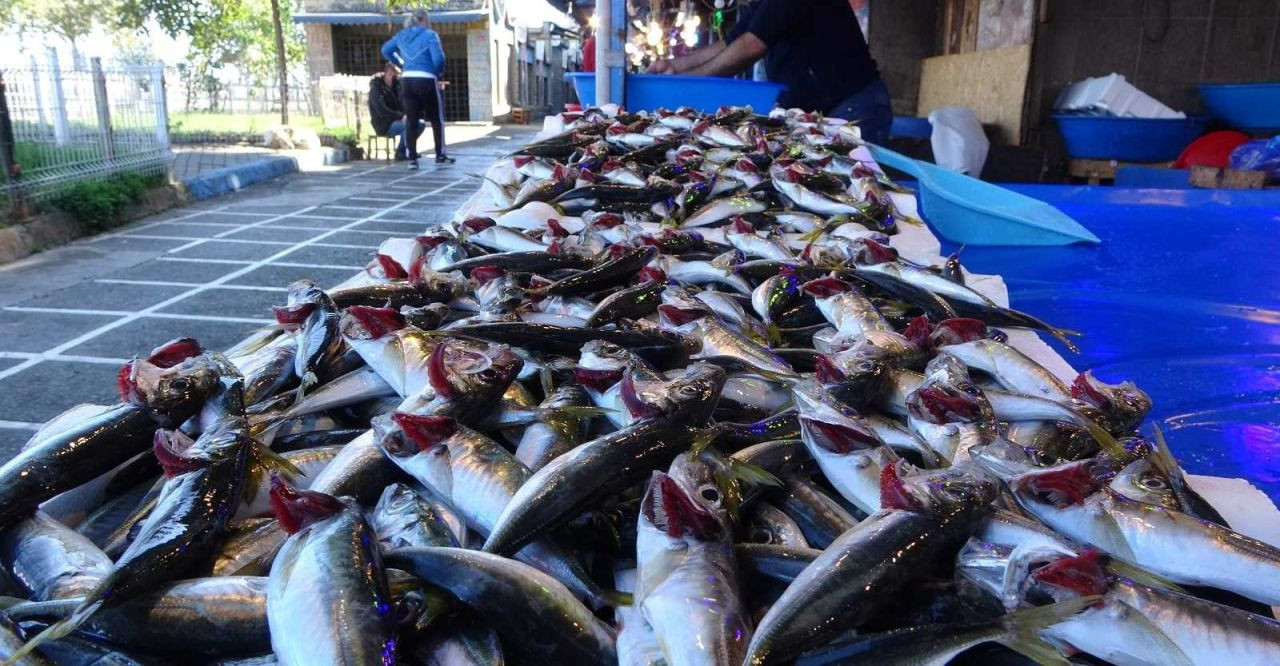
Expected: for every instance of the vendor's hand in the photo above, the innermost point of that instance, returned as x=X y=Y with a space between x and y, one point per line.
x=662 y=67
x=443 y=84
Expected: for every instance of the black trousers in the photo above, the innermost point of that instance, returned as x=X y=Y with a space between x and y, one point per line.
x=422 y=101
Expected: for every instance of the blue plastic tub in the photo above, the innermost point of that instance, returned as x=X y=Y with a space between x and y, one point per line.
x=705 y=93
x=1254 y=107
x=1128 y=139
x=915 y=128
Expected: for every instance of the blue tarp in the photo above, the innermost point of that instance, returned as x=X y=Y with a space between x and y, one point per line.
x=1183 y=298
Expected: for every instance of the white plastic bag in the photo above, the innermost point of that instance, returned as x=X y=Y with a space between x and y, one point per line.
x=958 y=141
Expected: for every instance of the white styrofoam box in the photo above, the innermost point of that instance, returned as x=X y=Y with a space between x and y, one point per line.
x=1112 y=95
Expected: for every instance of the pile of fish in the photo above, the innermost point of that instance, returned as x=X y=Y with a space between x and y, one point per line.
x=678 y=399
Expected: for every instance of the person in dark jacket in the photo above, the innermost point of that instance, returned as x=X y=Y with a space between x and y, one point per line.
x=417 y=48
x=386 y=110
x=815 y=47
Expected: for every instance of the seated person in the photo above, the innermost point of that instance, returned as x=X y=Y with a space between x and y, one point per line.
x=386 y=111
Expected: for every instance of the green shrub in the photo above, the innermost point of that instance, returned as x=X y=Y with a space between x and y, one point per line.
x=96 y=204
x=345 y=135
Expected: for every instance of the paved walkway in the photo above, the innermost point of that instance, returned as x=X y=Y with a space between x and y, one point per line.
x=210 y=271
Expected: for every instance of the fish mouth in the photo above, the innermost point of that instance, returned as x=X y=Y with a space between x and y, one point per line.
x=426 y=432
x=598 y=379
x=361 y=322
x=670 y=508
x=296 y=509
x=838 y=438
x=391 y=269
x=679 y=315
x=141 y=376
x=1063 y=486
x=293 y=315
x=458 y=366
x=172 y=449
x=942 y=403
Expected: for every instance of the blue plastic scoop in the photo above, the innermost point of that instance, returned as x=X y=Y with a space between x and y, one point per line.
x=973 y=212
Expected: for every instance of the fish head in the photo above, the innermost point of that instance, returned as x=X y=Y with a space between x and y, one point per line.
x=855 y=376
x=867 y=252
x=1006 y=459
x=956 y=490
x=1140 y=480
x=458 y=368
x=297 y=509
x=694 y=391
x=176 y=452
x=601 y=365
x=841 y=436
x=1034 y=572
x=1124 y=405
x=172 y=382
x=304 y=298
x=426 y=433
x=958 y=330
x=1062 y=486
x=683 y=512
x=941 y=403
x=361 y=322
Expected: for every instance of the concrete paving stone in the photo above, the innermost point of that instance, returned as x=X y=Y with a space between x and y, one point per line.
x=142 y=335
x=45 y=390
x=282 y=276
x=264 y=208
x=229 y=303
x=368 y=240
x=275 y=234
x=41 y=331
x=389 y=227
x=130 y=244
x=181 y=230
x=333 y=256
x=173 y=271
x=225 y=218
x=12 y=440
x=346 y=213
x=304 y=221
x=225 y=250
x=90 y=295
x=6 y=363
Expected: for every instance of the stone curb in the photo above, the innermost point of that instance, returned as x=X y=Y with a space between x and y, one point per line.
x=230 y=179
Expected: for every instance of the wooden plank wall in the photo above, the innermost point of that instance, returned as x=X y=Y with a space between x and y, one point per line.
x=901 y=36
x=1164 y=47
x=992 y=82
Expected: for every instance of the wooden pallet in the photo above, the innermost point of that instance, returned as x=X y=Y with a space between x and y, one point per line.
x=1096 y=171
x=1227 y=179
x=519 y=116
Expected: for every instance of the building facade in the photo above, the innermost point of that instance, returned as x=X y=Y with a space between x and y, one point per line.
x=500 y=55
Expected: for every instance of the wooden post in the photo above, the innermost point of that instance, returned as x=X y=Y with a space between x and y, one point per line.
x=61 y=127
x=12 y=172
x=104 y=110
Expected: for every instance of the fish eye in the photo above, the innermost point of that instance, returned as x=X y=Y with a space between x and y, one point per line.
x=179 y=384
x=688 y=389
x=1153 y=483
x=761 y=535
x=710 y=493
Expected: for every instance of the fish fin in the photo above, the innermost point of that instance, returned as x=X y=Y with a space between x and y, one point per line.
x=1023 y=628
x=546 y=380
x=567 y=421
x=55 y=631
x=1173 y=655
x=616 y=598
x=775 y=334
x=1142 y=576
x=814 y=235
x=752 y=474
x=1110 y=445
x=262 y=460
x=7 y=603
x=702 y=439
x=1115 y=544
x=1162 y=457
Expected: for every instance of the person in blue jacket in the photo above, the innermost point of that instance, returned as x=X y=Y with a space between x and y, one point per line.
x=421 y=58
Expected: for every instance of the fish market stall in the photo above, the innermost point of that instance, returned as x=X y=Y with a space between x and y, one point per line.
x=669 y=388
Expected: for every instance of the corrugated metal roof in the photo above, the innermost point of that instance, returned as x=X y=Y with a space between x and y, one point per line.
x=375 y=18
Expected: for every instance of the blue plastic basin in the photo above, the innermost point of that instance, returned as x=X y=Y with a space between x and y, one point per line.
x=705 y=93
x=1253 y=107
x=915 y=128
x=1128 y=139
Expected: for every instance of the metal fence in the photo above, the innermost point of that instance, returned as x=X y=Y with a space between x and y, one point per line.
x=62 y=126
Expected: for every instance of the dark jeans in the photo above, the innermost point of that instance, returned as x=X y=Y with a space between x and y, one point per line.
x=396 y=129
x=422 y=101
x=871 y=108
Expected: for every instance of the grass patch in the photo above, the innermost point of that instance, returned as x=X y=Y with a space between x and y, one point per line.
x=239 y=123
